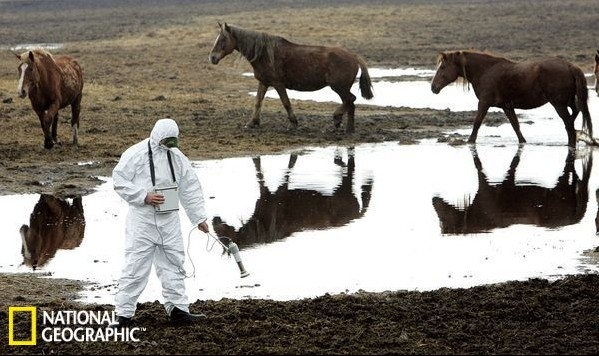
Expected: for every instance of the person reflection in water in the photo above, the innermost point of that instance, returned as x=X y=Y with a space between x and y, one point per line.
x=54 y=224
x=501 y=205
x=285 y=211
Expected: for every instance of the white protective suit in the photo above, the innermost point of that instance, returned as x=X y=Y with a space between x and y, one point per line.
x=150 y=236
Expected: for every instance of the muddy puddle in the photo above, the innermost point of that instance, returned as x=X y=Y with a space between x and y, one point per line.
x=340 y=219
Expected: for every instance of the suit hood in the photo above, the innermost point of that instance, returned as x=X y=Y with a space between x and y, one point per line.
x=162 y=129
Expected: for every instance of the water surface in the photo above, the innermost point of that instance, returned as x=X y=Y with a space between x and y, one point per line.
x=337 y=219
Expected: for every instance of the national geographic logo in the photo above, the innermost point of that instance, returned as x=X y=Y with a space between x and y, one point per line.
x=66 y=326
x=32 y=340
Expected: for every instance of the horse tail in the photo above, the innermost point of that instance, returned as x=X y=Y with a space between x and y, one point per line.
x=582 y=97
x=365 y=82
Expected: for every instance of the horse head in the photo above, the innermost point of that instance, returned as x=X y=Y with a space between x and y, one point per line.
x=28 y=74
x=450 y=66
x=224 y=44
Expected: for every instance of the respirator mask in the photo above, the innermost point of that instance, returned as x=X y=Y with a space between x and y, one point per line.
x=170 y=142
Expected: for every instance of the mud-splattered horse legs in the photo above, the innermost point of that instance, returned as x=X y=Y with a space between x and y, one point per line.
x=75 y=113
x=255 y=121
x=287 y=105
x=348 y=107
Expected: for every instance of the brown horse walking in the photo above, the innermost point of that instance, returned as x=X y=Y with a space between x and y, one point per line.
x=508 y=85
x=51 y=84
x=285 y=65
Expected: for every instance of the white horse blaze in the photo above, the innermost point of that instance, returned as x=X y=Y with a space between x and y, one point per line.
x=20 y=87
x=213 y=54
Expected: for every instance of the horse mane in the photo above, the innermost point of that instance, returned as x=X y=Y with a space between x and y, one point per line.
x=463 y=80
x=43 y=55
x=253 y=44
x=46 y=59
x=42 y=52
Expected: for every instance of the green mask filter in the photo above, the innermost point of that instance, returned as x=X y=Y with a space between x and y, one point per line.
x=171 y=142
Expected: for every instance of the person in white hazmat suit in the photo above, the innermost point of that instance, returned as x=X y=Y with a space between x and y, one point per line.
x=151 y=236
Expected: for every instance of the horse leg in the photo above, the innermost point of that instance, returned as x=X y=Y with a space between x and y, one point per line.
x=568 y=119
x=338 y=115
x=255 y=121
x=46 y=122
x=574 y=107
x=587 y=124
x=347 y=99
x=480 y=115
x=55 y=128
x=75 y=112
x=511 y=115
x=287 y=105
x=258 y=167
x=292 y=160
x=351 y=109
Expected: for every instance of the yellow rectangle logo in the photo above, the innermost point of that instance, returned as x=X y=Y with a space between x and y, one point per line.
x=11 y=313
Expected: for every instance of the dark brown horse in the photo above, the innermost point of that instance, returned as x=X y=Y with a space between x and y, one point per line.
x=509 y=202
x=285 y=211
x=285 y=65
x=51 y=84
x=54 y=224
x=502 y=83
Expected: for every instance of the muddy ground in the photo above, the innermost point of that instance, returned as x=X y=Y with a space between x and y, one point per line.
x=147 y=59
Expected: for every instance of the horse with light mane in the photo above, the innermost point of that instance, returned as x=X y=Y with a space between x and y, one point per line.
x=508 y=85
x=51 y=83
x=283 y=65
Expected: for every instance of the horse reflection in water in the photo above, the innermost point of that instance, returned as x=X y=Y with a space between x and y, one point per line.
x=281 y=213
x=508 y=203
x=54 y=224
